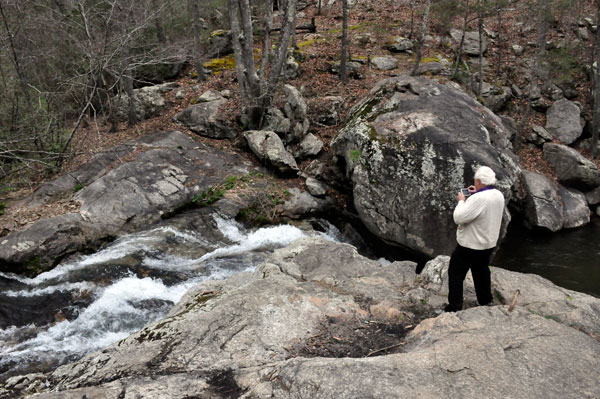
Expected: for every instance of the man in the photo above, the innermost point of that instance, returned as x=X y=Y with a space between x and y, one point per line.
x=478 y=218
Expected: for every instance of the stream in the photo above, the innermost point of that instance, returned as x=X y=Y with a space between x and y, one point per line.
x=91 y=303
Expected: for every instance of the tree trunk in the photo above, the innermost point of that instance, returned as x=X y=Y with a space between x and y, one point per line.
x=342 y=71
x=319 y=8
x=480 y=31
x=266 y=51
x=197 y=42
x=499 y=40
x=413 y=6
x=415 y=71
x=596 y=120
x=459 y=49
x=158 y=23
x=237 y=50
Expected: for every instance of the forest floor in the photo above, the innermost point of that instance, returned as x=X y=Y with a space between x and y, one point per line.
x=381 y=20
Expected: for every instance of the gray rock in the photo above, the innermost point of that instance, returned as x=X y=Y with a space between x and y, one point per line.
x=385 y=63
x=247 y=334
x=292 y=68
x=572 y=169
x=554 y=92
x=180 y=95
x=593 y=197
x=518 y=50
x=210 y=95
x=575 y=209
x=309 y=146
x=166 y=171
x=541 y=105
x=400 y=45
x=583 y=34
x=353 y=69
x=302 y=204
x=542 y=206
x=276 y=121
x=267 y=146
x=315 y=187
x=205 y=118
x=219 y=44
x=432 y=68
x=295 y=107
x=471 y=42
x=410 y=130
x=539 y=135
x=563 y=121
x=329 y=113
x=148 y=101
x=498 y=100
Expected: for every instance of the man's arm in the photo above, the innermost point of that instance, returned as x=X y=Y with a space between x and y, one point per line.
x=467 y=211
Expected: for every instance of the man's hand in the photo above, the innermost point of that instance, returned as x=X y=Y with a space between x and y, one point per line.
x=461 y=196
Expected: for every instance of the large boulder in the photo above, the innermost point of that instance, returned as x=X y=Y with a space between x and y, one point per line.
x=548 y=205
x=471 y=41
x=542 y=207
x=576 y=212
x=317 y=320
x=563 y=121
x=572 y=169
x=409 y=146
x=267 y=146
x=163 y=171
x=206 y=119
x=148 y=101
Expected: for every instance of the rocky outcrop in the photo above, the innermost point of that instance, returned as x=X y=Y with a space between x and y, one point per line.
x=572 y=169
x=408 y=148
x=563 y=121
x=163 y=171
x=575 y=208
x=205 y=117
x=317 y=320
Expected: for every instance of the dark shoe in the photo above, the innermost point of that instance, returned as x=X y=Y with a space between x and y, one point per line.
x=449 y=308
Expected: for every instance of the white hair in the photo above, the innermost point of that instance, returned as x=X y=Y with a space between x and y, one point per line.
x=486 y=176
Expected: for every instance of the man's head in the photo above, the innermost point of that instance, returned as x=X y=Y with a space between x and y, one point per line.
x=486 y=177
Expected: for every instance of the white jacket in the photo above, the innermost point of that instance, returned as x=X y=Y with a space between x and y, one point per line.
x=479 y=219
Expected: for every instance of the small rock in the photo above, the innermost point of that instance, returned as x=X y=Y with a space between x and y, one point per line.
x=518 y=50
x=315 y=187
x=309 y=146
x=385 y=63
x=583 y=34
x=400 y=45
x=180 y=95
x=210 y=95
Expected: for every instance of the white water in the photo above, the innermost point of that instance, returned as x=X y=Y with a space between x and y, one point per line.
x=118 y=307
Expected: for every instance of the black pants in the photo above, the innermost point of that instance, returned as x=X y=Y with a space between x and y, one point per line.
x=461 y=261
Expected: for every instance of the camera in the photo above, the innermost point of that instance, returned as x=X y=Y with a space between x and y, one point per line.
x=465 y=192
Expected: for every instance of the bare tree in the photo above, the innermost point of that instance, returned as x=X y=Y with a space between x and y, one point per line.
x=596 y=111
x=257 y=91
x=342 y=71
x=415 y=71
x=193 y=6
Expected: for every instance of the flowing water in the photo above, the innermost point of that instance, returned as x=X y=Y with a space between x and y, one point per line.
x=569 y=258
x=100 y=299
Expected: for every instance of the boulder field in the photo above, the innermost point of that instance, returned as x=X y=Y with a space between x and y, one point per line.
x=317 y=320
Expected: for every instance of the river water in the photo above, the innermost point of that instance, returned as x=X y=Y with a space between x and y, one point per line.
x=88 y=304
x=100 y=299
x=569 y=258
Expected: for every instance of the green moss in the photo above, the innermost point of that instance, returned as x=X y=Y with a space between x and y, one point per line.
x=306 y=43
x=208 y=196
x=430 y=59
x=218 y=64
x=355 y=155
x=78 y=187
x=218 y=32
x=2 y=208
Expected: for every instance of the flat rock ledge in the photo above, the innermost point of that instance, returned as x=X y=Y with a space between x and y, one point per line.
x=317 y=320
